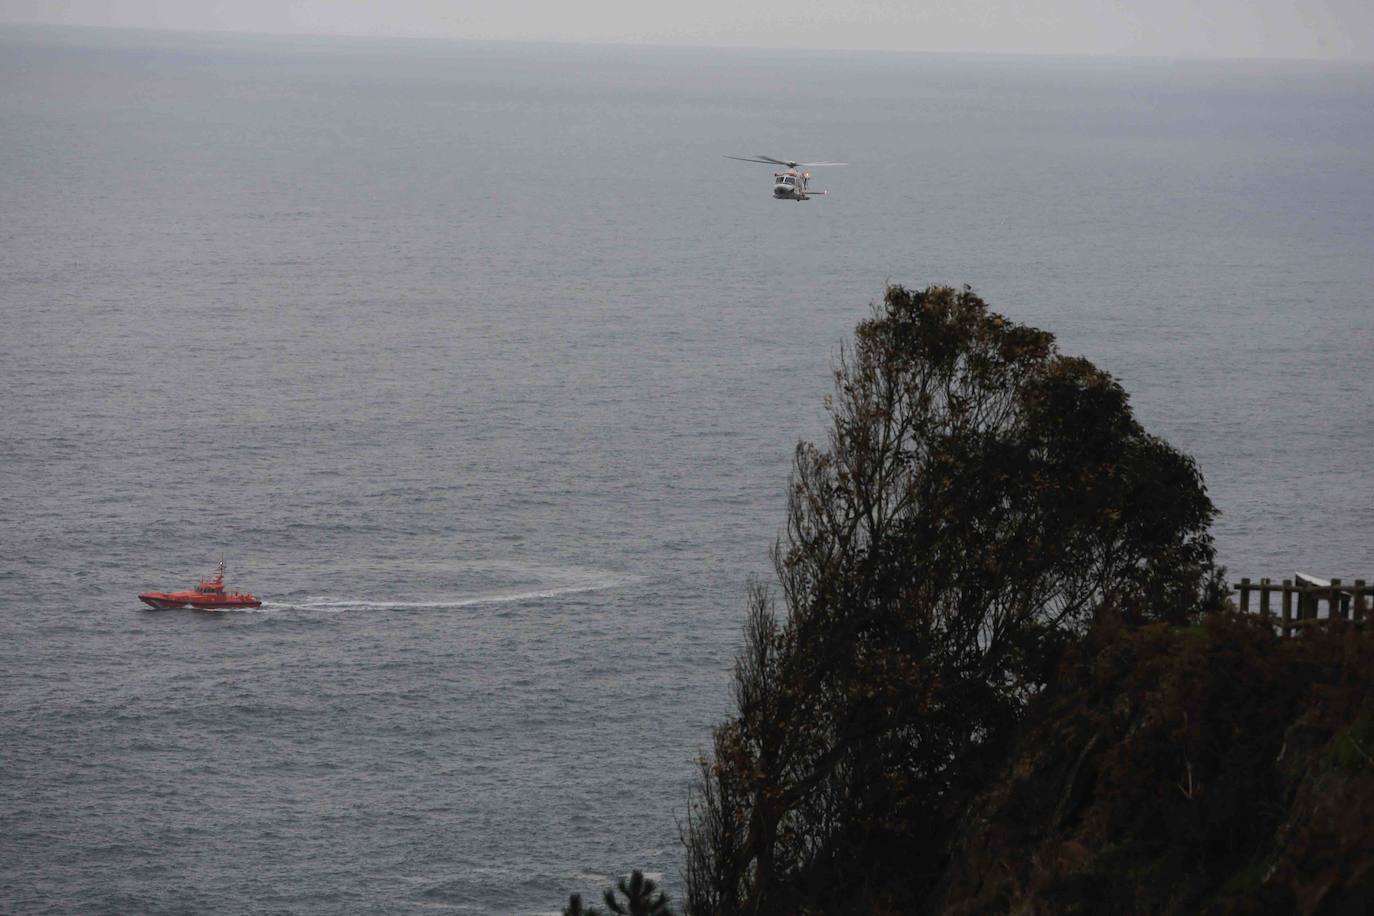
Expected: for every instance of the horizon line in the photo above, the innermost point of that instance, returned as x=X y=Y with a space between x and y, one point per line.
x=22 y=25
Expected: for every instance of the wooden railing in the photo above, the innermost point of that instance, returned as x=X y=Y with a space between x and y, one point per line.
x=1302 y=604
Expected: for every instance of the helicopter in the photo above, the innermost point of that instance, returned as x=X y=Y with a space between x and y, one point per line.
x=791 y=184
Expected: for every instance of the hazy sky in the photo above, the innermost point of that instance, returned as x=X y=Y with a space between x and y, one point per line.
x=1187 y=28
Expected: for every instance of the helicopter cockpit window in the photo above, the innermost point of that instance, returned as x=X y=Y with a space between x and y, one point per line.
x=789 y=180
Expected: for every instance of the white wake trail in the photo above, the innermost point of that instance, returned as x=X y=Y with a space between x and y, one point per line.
x=338 y=603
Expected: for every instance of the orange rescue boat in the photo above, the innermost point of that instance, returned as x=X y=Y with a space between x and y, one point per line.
x=209 y=595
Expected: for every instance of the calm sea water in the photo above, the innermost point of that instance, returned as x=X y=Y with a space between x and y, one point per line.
x=483 y=367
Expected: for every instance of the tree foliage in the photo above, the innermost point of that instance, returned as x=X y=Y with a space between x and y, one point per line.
x=981 y=497
x=641 y=898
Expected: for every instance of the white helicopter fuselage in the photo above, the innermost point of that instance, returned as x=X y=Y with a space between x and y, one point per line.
x=792 y=186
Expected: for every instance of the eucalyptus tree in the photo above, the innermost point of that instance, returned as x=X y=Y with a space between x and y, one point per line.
x=980 y=499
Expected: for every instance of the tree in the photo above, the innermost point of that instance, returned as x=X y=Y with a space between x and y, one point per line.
x=981 y=498
x=640 y=899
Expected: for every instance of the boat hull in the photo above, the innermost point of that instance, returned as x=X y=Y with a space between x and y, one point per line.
x=165 y=601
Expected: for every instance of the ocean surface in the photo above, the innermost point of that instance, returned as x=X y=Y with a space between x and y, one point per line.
x=484 y=368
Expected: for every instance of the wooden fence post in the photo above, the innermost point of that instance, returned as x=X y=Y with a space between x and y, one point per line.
x=1244 y=595
x=1287 y=629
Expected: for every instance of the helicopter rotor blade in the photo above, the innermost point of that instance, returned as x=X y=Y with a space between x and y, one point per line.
x=783 y=162
x=792 y=165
